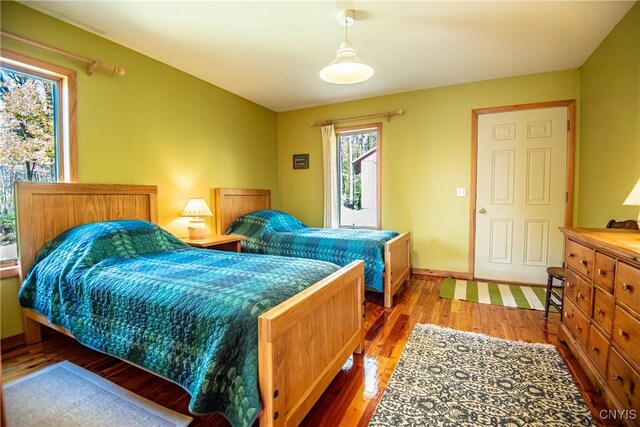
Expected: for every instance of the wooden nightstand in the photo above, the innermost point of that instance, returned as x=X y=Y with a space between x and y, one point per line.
x=228 y=243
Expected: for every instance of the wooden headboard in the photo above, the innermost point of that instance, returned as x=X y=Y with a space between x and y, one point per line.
x=47 y=209
x=232 y=203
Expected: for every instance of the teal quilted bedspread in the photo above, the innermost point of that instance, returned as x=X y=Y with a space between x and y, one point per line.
x=132 y=290
x=277 y=233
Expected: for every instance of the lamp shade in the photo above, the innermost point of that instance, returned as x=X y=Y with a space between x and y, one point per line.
x=196 y=207
x=347 y=68
x=633 y=199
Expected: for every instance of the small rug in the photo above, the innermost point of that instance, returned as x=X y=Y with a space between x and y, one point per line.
x=67 y=395
x=529 y=297
x=452 y=378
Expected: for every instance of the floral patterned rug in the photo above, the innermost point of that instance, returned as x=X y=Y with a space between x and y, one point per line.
x=452 y=378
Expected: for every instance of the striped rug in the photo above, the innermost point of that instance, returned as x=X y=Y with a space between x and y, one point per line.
x=497 y=294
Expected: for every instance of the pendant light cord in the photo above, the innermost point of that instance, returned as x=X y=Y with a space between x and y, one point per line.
x=346 y=38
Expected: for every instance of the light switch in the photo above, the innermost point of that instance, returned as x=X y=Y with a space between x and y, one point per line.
x=461 y=192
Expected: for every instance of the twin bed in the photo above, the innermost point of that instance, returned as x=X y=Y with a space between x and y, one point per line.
x=132 y=290
x=247 y=212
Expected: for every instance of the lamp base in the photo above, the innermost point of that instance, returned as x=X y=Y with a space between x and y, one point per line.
x=197 y=229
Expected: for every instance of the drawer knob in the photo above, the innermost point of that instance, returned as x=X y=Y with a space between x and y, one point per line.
x=578 y=295
x=599 y=310
x=567 y=284
x=595 y=349
x=616 y=377
x=622 y=333
x=569 y=255
x=600 y=272
x=583 y=262
x=627 y=287
x=578 y=328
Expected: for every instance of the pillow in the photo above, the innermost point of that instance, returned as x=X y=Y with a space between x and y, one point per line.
x=264 y=221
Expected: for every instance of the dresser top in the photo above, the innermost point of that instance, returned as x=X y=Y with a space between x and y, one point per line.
x=619 y=242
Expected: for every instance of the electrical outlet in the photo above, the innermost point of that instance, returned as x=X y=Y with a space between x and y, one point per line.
x=461 y=192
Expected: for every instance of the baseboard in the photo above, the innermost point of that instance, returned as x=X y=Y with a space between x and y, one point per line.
x=440 y=273
x=12 y=342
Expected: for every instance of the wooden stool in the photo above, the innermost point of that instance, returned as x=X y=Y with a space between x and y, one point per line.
x=554 y=273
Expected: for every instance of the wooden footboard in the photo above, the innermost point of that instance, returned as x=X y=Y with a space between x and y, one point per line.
x=397 y=265
x=304 y=342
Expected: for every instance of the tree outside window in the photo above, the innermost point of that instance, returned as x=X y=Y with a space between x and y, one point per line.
x=27 y=143
x=38 y=136
x=358 y=169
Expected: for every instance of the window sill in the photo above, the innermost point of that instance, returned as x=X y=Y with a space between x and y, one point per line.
x=8 y=272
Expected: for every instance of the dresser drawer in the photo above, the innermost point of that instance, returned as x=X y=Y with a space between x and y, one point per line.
x=580 y=257
x=628 y=286
x=576 y=323
x=605 y=272
x=626 y=333
x=578 y=291
x=603 y=306
x=624 y=381
x=598 y=349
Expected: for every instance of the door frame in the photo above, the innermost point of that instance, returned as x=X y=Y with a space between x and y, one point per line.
x=569 y=182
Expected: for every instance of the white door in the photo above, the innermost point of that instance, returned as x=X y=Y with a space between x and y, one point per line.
x=520 y=194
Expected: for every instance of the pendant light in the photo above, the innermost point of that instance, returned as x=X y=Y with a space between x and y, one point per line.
x=347 y=68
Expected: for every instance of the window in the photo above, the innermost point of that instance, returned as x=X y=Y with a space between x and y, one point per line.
x=359 y=176
x=37 y=136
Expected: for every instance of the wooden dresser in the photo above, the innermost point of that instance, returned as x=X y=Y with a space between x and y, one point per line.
x=601 y=314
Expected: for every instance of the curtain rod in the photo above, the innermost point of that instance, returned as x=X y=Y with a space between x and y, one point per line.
x=388 y=115
x=92 y=64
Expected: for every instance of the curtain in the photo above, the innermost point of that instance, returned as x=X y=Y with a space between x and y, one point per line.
x=330 y=171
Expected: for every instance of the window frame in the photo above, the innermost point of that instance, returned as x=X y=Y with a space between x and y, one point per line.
x=361 y=129
x=66 y=121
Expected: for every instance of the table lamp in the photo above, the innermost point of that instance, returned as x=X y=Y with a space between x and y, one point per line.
x=197 y=208
x=633 y=199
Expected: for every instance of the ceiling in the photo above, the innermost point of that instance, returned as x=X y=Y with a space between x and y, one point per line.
x=271 y=52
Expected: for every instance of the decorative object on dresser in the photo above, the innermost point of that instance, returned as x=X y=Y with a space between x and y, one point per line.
x=456 y=378
x=601 y=319
x=633 y=199
x=195 y=209
x=628 y=224
x=229 y=243
x=81 y=398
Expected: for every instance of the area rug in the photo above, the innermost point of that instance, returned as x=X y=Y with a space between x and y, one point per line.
x=67 y=395
x=529 y=297
x=452 y=378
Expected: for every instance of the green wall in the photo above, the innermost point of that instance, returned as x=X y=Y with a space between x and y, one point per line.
x=426 y=154
x=154 y=125
x=610 y=116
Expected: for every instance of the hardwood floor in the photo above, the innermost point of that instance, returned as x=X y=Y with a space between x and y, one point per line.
x=351 y=398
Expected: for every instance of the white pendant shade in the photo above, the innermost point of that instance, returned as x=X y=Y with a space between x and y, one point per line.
x=633 y=199
x=347 y=68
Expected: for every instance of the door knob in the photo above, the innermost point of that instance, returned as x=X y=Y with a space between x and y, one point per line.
x=482 y=211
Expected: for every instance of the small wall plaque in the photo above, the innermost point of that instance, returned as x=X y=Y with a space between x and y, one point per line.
x=301 y=161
